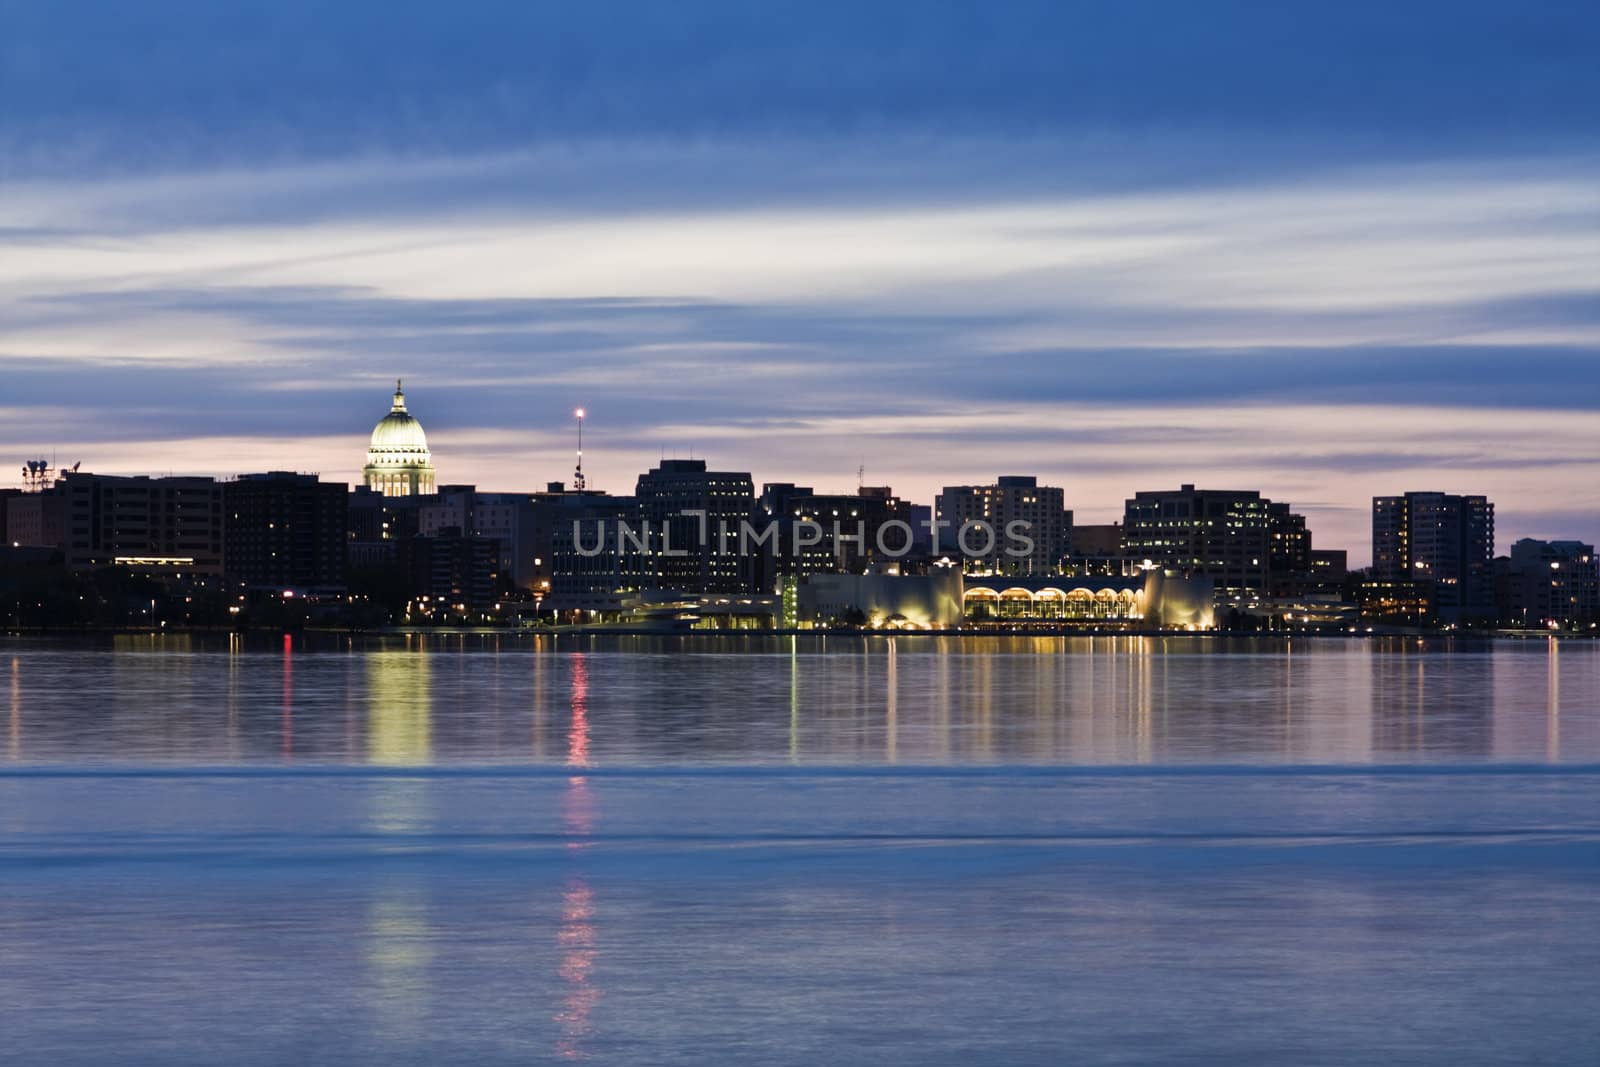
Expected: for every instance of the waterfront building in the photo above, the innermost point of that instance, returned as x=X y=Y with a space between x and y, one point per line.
x=1225 y=535
x=1011 y=499
x=452 y=569
x=1154 y=598
x=398 y=460
x=1330 y=564
x=692 y=517
x=36 y=519
x=1289 y=551
x=164 y=525
x=1548 y=584
x=885 y=599
x=1440 y=538
x=371 y=540
x=286 y=531
x=595 y=564
x=1097 y=549
x=5 y=507
x=851 y=528
x=1396 y=602
x=508 y=518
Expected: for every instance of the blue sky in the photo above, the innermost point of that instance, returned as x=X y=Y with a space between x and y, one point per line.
x=1322 y=250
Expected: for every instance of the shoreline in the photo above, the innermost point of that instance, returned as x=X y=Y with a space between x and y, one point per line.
x=612 y=631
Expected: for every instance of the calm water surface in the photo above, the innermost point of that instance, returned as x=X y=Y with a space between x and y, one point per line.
x=518 y=850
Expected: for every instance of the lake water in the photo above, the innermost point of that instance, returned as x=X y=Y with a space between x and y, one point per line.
x=799 y=851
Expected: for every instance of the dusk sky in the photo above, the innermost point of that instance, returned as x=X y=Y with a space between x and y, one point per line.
x=1322 y=250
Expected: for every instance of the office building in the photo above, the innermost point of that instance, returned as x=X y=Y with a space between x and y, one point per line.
x=36 y=519
x=1040 y=514
x=455 y=571
x=286 y=531
x=1548 y=585
x=692 y=518
x=1441 y=539
x=819 y=533
x=508 y=518
x=153 y=524
x=1225 y=535
x=597 y=549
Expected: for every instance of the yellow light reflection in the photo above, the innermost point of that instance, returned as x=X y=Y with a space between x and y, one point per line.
x=1552 y=731
x=399 y=709
x=794 y=699
x=399 y=950
x=892 y=718
x=576 y=936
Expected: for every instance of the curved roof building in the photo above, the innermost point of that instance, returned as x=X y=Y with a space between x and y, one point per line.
x=398 y=460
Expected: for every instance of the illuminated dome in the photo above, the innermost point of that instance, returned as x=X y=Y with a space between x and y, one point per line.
x=398 y=460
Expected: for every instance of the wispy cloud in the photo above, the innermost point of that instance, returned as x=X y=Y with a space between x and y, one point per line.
x=1114 y=248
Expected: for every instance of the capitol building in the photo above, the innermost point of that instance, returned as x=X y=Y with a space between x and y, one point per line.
x=398 y=460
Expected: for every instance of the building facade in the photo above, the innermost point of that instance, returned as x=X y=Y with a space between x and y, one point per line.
x=1442 y=539
x=1040 y=512
x=156 y=524
x=818 y=533
x=286 y=531
x=36 y=520
x=1225 y=535
x=1549 y=585
x=507 y=518
x=692 y=518
x=596 y=562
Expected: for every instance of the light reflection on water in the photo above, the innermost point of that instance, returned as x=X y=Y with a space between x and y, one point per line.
x=897 y=700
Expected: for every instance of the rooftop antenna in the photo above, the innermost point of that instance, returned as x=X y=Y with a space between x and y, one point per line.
x=577 y=476
x=38 y=474
x=861 y=477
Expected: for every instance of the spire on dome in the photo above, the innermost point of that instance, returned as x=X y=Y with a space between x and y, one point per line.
x=399 y=397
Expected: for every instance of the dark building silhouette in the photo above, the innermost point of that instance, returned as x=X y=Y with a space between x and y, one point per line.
x=1289 y=557
x=286 y=531
x=1548 y=583
x=596 y=547
x=1224 y=534
x=1097 y=549
x=458 y=569
x=151 y=524
x=693 y=518
x=846 y=534
x=1440 y=539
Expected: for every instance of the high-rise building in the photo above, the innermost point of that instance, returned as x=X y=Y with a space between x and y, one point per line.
x=1224 y=534
x=831 y=532
x=694 y=517
x=1549 y=583
x=1290 y=552
x=398 y=460
x=1442 y=539
x=157 y=524
x=1039 y=511
x=457 y=569
x=286 y=531
x=505 y=517
x=596 y=548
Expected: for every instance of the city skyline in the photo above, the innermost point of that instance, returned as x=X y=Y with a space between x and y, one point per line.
x=1233 y=248
x=1084 y=512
